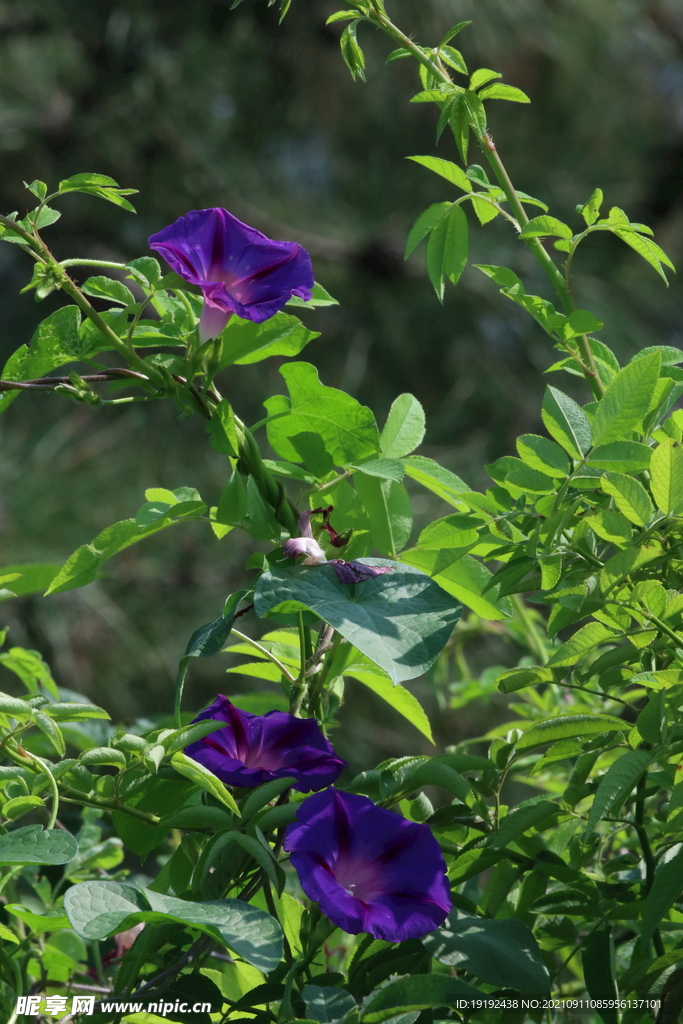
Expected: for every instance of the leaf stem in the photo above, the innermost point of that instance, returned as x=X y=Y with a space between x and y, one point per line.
x=53 y=789
x=317 y=690
x=74 y=796
x=267 y=654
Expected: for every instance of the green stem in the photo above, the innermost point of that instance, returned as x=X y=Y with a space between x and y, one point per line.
x=317 y=690
x=267 y=654
x=53 y=789
x=12 y=873
x=97 y=958
x=74 y=796
x=77 y=262
x=297 y=693
x=73 y=291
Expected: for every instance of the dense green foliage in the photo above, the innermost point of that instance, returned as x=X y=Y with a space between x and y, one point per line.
x=572 y=891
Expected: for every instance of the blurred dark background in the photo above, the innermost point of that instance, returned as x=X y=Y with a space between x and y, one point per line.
x=197 y=105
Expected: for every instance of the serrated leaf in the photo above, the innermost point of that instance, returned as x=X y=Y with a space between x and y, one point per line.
x=627 y=400
x=544 y=225
x=567 y=726
x=464 y=577
x=591 y=211
x=475 y=110
x=351 y=51
x=404 y=429
x=645 y=247
x=621 y=457
x=54 y=343
x=436 y=478
x=447 y=169
x=611 y=526
x=599 y=972
x=616 y=784
x=447 y=249
x=584 y=640
x=460 y=125
x=630 y=497
x=666 y=476
x=520 y=820
x=500 y=91
x=424 y=224
x=543 y=455
x=482 y=76
x=518 y=678
x=665 y=890
x=567 y=422
x=201 y=776
x=101 y=287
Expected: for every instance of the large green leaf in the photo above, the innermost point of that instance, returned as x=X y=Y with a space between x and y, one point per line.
x=666 y=476
x=99 y=909
x=33 y=577
x=347 y=428
x=567 y=422
x=616 y=784
x=597 y=958
x=447 y=249
x=244 y=341
x=502 y=953
x=424 y=224
x=630 y=497
x=55 y=342
x=520 y=820
x=462 y=576
x=33 y=844
x=401 y=620
x=627 y=399
x=361 y=668
x=388 y=507
x=565 y=726
x=446 y=169
x=404 y=429
x=416 y=993
x=84 y=564
x=436 y=479
x=580 y=643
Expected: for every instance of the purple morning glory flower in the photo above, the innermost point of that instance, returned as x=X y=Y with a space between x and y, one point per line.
x=253 y=749
x=370 y=869
x=238 y=269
